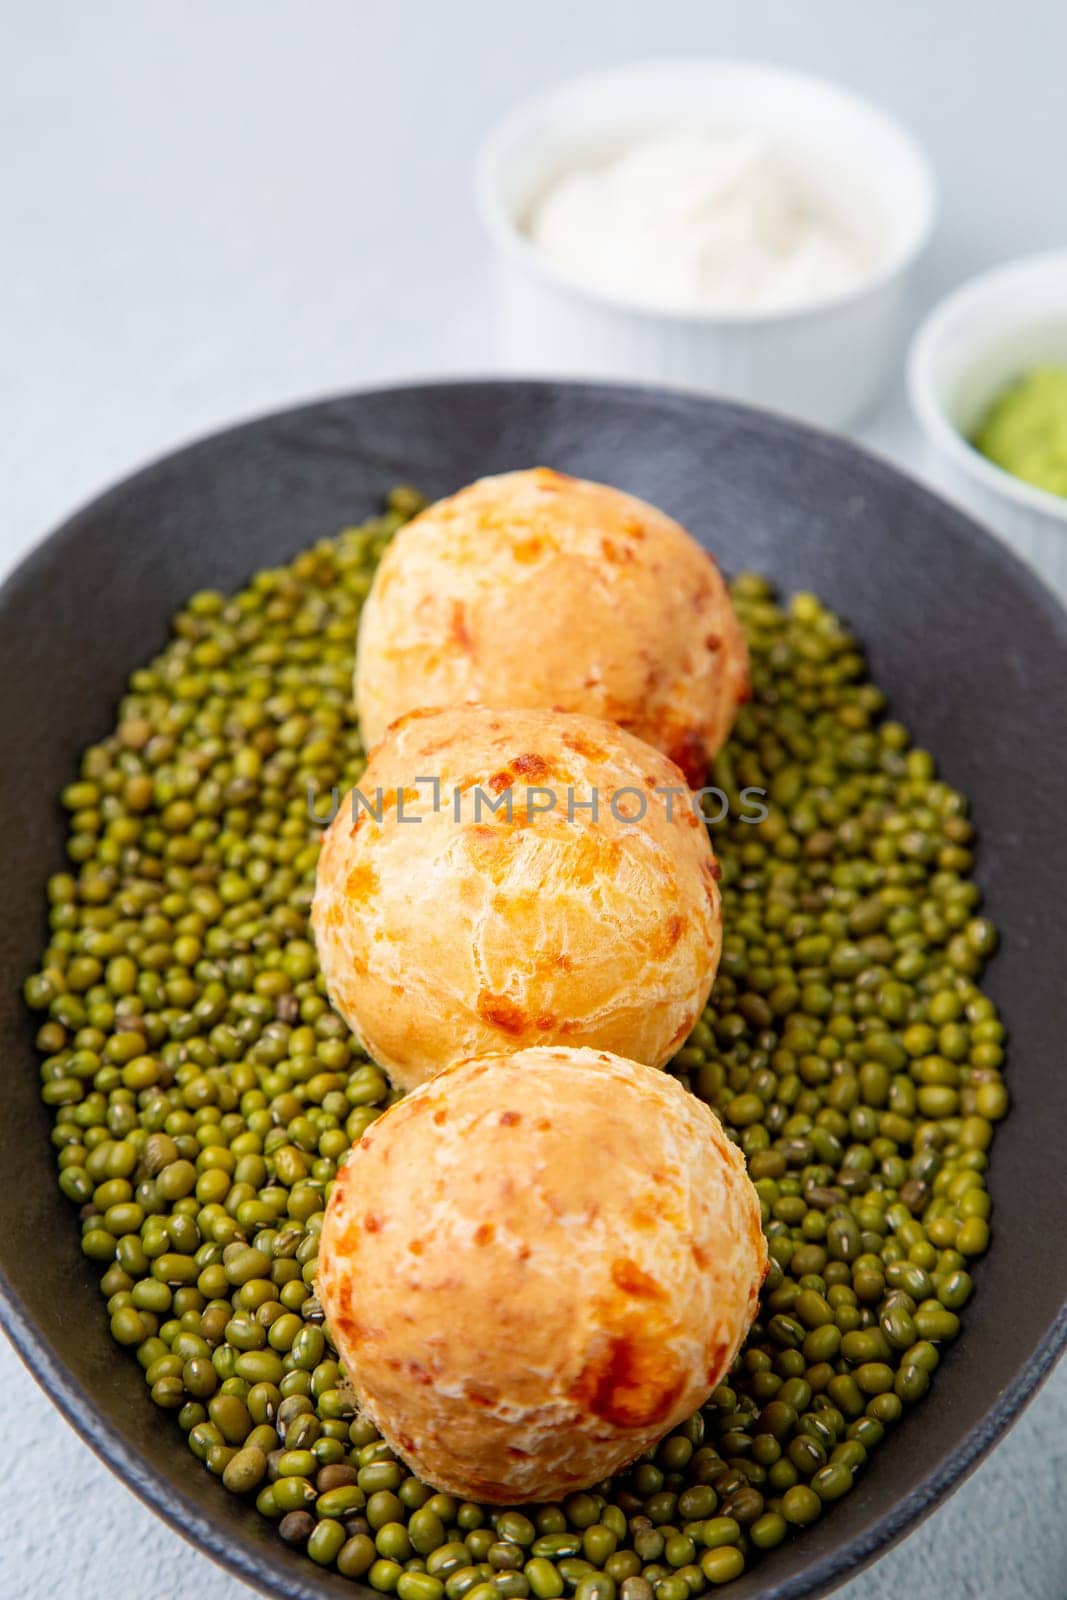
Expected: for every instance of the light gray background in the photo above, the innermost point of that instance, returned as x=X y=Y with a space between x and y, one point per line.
x=213 y=209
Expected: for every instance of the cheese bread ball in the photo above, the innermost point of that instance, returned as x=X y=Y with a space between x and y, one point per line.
x=536 y=1265
x=449 y=929
x=535 y=589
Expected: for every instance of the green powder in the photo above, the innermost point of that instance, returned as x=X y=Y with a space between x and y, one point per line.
x=1025 y=430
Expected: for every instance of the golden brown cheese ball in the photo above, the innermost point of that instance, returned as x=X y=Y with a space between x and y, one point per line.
x=535 y=589
x=536 y=1265
x=442 y=938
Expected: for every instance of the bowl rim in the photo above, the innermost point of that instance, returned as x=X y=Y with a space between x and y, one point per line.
x=91 y=1420
x=504 y=231
x=922 y=361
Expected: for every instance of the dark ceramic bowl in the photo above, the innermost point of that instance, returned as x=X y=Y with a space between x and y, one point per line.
x=971 y=649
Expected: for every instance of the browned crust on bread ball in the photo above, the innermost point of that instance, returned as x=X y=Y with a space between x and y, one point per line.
x=441 y=939
x=535 y=1265
x=537 y=589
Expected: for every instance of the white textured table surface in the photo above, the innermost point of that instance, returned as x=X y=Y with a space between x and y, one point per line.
x=211 y=210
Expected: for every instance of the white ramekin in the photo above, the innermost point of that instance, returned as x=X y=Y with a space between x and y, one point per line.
x=826 y=363
x=970 y=348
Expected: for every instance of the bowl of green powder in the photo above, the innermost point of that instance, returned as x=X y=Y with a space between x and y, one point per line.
x=988 y=381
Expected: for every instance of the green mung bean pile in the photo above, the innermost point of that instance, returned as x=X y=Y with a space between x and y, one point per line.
x=204 y=1093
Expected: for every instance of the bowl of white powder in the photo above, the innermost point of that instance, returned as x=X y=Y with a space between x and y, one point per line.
x=724 y=226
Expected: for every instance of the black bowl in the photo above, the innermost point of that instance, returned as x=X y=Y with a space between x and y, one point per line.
x=970 y=647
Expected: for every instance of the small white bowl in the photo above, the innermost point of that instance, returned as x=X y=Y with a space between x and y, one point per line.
x=826 y=362
x=976 y=342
